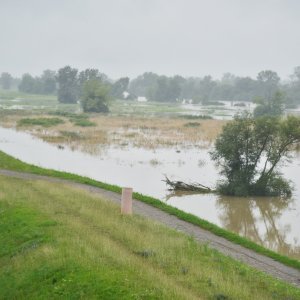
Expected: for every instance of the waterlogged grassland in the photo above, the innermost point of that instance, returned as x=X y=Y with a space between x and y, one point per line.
x=148 y=125
x=62 y=242
x=147 y=132
x=10 y=99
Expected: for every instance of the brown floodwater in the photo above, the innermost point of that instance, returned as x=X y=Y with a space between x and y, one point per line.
x=271 y=222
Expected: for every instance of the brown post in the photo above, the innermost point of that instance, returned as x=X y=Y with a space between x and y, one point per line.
x=126 y=201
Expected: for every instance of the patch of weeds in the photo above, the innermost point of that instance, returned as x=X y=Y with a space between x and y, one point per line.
x=196 y=117
x=184 y=270
x=84 y=123
x=216 y=103
x=44 y=122
x=71 y=135
x=77 y=119
x=21 y=230
x=242 y=104
x=145 y=253
x=154 y=162
x=67 y=114
x=221 y=297
x=192 y=124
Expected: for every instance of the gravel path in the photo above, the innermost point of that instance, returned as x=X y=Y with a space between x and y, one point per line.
x=238 y=252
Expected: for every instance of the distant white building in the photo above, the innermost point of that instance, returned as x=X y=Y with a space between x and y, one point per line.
x=125 y=95
x=142 y=99
x=187 y=101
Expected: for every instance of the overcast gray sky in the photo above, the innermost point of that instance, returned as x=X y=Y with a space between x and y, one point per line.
x=129 y=37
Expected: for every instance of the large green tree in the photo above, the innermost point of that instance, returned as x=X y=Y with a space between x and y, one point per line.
x=249 y=152
x=68 y=88
x=95 y=96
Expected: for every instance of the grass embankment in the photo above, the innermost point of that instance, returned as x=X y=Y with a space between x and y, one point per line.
x=10 y=163
x=61 y=242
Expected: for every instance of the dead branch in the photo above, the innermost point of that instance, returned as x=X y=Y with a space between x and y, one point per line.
x=182 y=186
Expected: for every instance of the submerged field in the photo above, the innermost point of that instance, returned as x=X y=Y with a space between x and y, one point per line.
x=61 y=242
x=79 y=130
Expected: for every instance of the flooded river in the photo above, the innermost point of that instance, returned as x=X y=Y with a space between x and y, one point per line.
x=271 y=222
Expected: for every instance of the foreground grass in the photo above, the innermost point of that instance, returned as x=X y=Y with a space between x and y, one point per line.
x=10 y=163
x=61 y=242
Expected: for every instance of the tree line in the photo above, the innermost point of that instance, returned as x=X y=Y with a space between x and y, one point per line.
x=68 y=84
x=207 y=90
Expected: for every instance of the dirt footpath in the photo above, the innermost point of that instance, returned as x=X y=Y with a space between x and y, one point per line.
x=258 y=261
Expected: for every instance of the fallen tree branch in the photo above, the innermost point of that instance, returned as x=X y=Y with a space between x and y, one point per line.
x=182 y=186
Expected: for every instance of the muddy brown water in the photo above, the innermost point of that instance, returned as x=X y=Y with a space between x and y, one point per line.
x=271 y=222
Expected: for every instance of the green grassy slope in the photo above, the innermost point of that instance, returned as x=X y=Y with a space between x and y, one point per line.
x=10 y=163
x=59 y=242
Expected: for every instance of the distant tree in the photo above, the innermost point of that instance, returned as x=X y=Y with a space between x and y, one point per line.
x=48 y=82
x=27 y=84
x=68 y=88
x=119 y=87
x=205 y=89
x=228 y=79
x=175 y=88
x=268 y=83
x=144 y=84
x=273 y=106
x=90 y=74
x=95 y=96
x=249 y=152
x=6 y=80
x=296 y=75
x=292 y=89
x=246 y=89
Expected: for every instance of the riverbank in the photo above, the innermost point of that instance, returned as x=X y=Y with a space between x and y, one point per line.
x=77 y=245
x=10 y=163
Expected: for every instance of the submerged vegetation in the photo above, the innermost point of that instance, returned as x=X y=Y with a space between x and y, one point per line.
x=249 y=152
x=44 y=122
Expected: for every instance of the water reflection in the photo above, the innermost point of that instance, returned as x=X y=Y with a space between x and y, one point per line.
x=259 y=220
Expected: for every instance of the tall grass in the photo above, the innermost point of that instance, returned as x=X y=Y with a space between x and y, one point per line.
x=64 y=243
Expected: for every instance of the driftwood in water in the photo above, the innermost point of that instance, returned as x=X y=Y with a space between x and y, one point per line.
x=182 y=186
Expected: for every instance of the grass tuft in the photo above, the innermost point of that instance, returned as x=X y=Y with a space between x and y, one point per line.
x=44 y=122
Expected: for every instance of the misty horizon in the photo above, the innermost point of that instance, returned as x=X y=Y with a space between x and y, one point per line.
x=188 y=38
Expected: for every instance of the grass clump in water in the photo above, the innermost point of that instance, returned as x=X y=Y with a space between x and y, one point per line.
x=84 y=123
x=192 y=124
x=77 y=119
x=197 y=117
x=44 y=122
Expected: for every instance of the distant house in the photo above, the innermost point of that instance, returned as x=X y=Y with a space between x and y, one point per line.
x=125 y=95
x=142 y=99
x=187 y=101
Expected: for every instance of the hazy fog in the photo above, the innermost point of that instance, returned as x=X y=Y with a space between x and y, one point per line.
x=128 y=37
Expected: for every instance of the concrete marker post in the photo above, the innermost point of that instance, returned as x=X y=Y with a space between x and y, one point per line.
x=126 y=201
